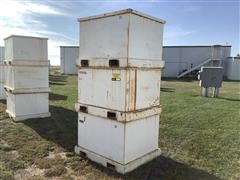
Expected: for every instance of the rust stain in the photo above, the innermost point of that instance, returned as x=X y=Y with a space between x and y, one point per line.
x=120 y=68
x=135 y=89
x=146 y=88
x=156 y=102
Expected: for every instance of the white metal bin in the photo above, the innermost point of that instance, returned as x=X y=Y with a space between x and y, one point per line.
x=22 y=76
x=26 y=106
x=117 y=115
x=133 y=38
x=26 y=48
x=119 y=89
x=117 y=143
x=2 y=73
x=2 y=91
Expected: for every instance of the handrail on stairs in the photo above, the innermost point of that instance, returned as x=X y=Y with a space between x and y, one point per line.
x=197 y=66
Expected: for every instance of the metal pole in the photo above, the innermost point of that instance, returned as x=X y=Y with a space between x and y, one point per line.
x=204 y=91
x=216 y=92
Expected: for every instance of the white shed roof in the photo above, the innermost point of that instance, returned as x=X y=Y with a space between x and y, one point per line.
x=125 y=11
x=25 y=37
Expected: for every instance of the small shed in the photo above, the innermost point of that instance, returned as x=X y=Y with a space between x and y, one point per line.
x=233 y=68
x=68 y=56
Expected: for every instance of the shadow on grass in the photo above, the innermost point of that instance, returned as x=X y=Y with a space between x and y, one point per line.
x=181 y=79
x=60 y=128
x=163 y=89
x=220 y=97
x=53 y=96
x=160 y=168
x=54 y=83
x=3 y=101
x=229 y=99
x=167 y=168
x=57 y=80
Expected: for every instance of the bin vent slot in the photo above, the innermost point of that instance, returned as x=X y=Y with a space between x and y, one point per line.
x=83 y=109
x=83 y=154
x=84 y=63
x=111 y=115
x=113 y=63
x=111 y=166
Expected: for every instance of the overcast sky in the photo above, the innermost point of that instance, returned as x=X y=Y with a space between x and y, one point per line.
x=196 y=22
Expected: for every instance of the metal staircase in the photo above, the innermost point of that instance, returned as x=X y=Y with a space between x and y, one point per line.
x=214 y=60
x=198 y=66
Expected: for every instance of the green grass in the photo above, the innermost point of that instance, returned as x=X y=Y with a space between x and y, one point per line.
x=199 y=137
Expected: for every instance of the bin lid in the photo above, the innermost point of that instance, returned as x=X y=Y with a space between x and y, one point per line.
x=125 y=11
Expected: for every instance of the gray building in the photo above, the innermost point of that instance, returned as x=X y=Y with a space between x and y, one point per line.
x=182 y=60
x=179 y=60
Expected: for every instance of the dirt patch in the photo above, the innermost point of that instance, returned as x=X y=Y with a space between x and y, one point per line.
x=53 y=155
x=31 y=172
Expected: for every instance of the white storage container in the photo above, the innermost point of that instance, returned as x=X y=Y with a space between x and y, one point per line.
x=119 y=89
x=26 y=48
x=2 y=91
x=27 y=106
x=69 y=56
x=117 y=143
x=133 y=38
x=22 y=76
x=2 y=73
x=117 y=115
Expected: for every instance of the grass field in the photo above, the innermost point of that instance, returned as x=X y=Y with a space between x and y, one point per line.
x=199 y=137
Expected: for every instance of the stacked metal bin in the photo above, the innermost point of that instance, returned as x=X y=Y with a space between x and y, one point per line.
x=119 y=77
x=27 y=84
x=2 y=74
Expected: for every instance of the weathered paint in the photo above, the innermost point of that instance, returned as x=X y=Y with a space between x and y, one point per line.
x=26 y=48
x=133 y=39
x=136 y=89
x=120 y=116
x=119 y=88
x=120 y=142
x=27 y=71
x=26 y=77
x=24 y=106
x=69 y=56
